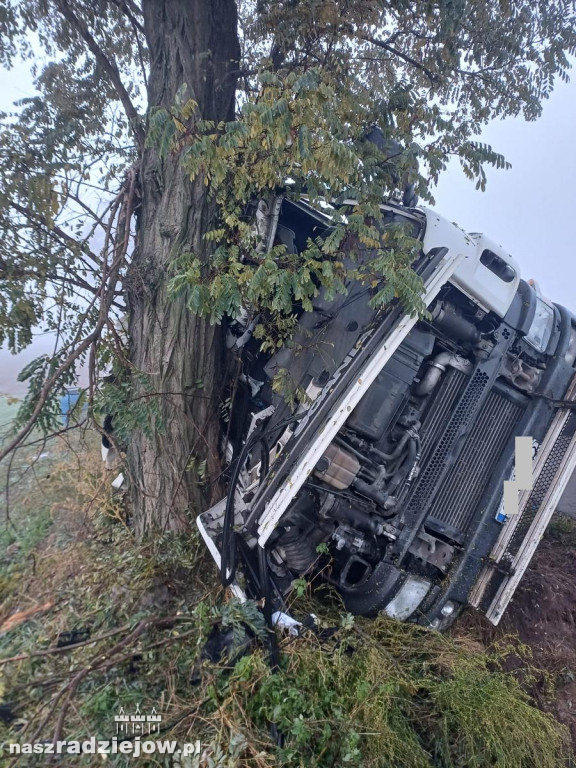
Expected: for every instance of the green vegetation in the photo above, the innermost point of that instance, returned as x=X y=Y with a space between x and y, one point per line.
x=136 y=134
x=388 y=694
x=359 y=693
x=159 y=127
x=562 y=529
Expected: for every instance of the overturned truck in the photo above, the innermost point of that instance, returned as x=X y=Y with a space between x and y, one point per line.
x=384 y=475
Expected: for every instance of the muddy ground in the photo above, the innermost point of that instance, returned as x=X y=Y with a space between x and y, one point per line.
x=543 y=614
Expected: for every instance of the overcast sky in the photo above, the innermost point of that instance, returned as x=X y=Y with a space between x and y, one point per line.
x=530 y=210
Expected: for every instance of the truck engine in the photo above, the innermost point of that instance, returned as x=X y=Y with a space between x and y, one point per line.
x=383 y=474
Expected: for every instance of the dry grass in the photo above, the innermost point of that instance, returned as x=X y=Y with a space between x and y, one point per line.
x=374 y=694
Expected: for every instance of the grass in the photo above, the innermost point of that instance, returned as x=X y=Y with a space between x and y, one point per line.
x=371 y=694
x=562 y=529
x=390 y=694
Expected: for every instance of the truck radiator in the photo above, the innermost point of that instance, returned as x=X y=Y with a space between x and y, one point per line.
x=457 y=499
x=442 y=403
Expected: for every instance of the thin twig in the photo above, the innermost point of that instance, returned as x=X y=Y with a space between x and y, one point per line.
x=64 y=648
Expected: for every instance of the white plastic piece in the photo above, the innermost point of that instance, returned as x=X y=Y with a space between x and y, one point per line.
x=260 y=416
x=118 y=482
x=447 y=608
x=285 y=621
x=236 y=590
x=408 y=598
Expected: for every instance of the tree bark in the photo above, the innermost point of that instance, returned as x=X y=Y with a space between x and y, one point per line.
x=177 y=357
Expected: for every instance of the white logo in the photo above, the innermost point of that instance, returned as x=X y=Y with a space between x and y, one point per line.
x=137 y=724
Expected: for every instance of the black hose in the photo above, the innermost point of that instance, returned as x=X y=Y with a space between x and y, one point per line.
x=273 y=650
x=407 y=465
x=395 y=453
x=229 y=544
x=229 y=556
x=267 y=608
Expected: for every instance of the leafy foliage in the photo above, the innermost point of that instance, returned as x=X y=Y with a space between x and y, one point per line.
x=272 y=141
x=128 y=412
x=315 y=77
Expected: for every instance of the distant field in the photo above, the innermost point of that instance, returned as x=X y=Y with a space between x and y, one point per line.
x=7 y=412
x=11 y=365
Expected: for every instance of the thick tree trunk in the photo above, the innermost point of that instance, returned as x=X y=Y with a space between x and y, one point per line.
x=177 y=358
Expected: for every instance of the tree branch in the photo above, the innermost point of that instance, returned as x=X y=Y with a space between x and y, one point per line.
x=110 y=278
x=131 y=11
x=64 y=648
x=53 y=231
x=109 y=66
x=23 y=274
x=404 y=56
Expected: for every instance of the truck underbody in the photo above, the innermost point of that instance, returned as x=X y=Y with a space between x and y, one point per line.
x=383 y=474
